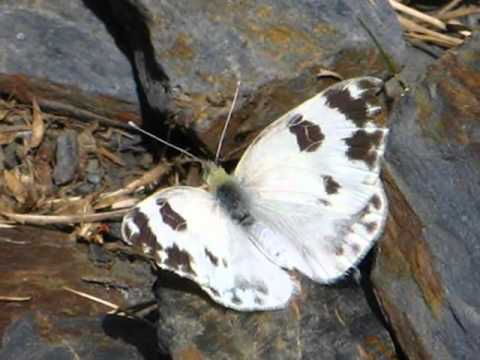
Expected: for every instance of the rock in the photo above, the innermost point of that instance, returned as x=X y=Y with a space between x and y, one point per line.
x=146 y=161
x=189 y=55
x=56 y=324
x=94 y=172
x=85 y=188
x=11 y=159
x=65 y=43
x=44 y=336
x=67 y=157
x=69 y=101
x=426 y=277
x=335 y=322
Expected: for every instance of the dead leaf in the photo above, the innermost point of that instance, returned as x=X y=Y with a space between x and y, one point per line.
x=15 y=185
x=3 y=113
x=43 y=178
x=7 y=137
x=38 y=125
x=323 y=73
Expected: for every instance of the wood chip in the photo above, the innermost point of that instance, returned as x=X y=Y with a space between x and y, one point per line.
x=38 y=125
x=7 y=137
x=103 y=151
x=15 y=185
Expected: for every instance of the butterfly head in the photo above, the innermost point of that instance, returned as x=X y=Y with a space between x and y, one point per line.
x=214 y=175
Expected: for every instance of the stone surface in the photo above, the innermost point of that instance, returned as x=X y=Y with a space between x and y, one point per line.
x=189 y=55
x=67 y=157
x=45 y=336
x=324 y=322
x=69 y=101
x=65 y=43
x=426 y=276
x=54 y=323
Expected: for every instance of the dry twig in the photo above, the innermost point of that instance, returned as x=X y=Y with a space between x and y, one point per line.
x=434 y=35
x=15 y=298
x=115 y=308
x=451 y=5
x=91 y=297
x=35 y=219
x=435 y=27
x=418 y=15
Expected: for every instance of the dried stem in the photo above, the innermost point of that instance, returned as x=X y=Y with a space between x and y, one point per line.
x=15 y=298
x=418 y=15
x=414 y=27
x=35 y=219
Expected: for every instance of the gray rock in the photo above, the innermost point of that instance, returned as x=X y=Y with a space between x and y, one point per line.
x=56 y=324
x=67 y=157
x=10 y=155
x=323 y=323
x=65 y=43
x=63 y=339
x=190 y=54
x=187 y=57
x=426 y=276
x=85 y=188
x=94 y=172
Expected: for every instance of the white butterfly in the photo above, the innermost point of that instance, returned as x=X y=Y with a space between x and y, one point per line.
x=306 y=196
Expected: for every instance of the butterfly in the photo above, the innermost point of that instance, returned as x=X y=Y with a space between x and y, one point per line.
x=305 y=197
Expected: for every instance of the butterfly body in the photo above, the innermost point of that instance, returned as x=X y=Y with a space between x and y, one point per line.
x=305 y=197
x=235 y=202
x=228 y=193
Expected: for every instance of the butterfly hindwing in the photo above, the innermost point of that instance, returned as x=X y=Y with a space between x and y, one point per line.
x=186 y=231
x=314 y=174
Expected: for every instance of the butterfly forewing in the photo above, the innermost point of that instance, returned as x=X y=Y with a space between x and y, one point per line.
x=314 y=174
x=187 y=232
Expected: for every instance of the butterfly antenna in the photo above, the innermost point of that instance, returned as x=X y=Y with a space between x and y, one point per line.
x=224 y=131
x=136 y=127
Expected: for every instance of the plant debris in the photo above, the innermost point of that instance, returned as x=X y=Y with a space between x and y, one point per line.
x=444 y=26
x=58 y=170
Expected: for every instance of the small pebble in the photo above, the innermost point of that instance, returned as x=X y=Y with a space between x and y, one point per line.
x=11 y=159
x=146 y=160
x=67 y=158
x=94 y=172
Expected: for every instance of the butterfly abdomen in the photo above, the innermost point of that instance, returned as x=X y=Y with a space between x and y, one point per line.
x=235 y=202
